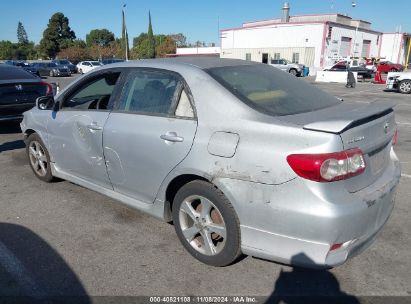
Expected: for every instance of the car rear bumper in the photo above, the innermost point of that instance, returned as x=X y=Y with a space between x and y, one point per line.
x=391 y=84
x=293 y=223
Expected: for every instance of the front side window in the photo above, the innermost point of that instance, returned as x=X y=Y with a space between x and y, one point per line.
x=94 y=94
x=271 y=91
x=155 y=92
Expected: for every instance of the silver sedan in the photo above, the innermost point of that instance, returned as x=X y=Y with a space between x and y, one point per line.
x=243 y=158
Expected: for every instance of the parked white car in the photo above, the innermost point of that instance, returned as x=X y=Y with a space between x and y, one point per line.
x=400 y=81
x=289 y=67
x=87 y=66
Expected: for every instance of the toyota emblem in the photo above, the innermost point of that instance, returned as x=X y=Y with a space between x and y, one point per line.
x=386 y=127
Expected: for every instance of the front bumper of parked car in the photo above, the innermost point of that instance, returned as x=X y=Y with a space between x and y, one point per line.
x=296 y=223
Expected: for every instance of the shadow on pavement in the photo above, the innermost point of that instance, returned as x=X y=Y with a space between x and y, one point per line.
x=12 y=145
x=31 y=271
x=303 y=285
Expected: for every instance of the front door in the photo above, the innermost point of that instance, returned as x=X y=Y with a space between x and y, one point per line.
x=149 y=133
x=76 y=130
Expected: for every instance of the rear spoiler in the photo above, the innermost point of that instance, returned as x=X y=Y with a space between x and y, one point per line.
x=346 y=120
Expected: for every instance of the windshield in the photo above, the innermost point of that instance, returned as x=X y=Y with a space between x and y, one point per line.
x=95 y=63
x=64 y=62
x=271 y=91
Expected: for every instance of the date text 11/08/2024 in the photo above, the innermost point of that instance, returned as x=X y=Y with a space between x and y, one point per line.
x=205 y=299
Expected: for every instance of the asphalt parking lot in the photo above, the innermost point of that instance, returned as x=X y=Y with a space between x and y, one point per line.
x=62 y=239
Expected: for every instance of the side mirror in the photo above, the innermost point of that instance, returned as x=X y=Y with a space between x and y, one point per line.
x=45 y=102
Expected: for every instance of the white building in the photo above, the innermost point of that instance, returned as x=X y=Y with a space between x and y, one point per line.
x=197 y=51
x=314 y=40
x=394 y=47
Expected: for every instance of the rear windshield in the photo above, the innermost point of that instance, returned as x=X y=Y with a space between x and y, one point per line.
x=272 y=91
x=11 y=72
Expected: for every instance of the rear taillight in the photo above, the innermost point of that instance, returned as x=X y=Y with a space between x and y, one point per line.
x=395 y=138
x=49 y=88
x=328 y=167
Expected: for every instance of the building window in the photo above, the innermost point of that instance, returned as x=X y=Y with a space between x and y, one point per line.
x=248 y=56
x=345 y=46
x=366 y=48
x=296 y=58
x=330 y=31
x=277 y=56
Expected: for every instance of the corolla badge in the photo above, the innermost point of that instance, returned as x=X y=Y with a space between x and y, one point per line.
x=355 y=139
x=19 y=87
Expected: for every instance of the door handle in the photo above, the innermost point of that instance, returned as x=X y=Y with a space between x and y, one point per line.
x=172 y=136
x=94 y=127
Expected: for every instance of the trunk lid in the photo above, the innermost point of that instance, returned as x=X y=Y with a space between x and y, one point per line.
x=369 y=127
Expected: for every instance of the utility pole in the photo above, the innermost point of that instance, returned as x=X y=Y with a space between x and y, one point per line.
x=124 y=29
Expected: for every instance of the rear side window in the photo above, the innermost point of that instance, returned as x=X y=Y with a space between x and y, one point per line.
x=155 y=92
x=10 y=72
x=271 y=91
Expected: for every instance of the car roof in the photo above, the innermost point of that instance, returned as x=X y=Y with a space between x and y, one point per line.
x=198 y=62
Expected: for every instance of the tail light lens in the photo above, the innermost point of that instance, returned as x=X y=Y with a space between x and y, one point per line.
x=49 y=88
x=395 y=138
x=328 y=167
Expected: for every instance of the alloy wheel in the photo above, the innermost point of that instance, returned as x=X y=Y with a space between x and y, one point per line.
x=38 y=158
x=405 y=86
x=202 y=225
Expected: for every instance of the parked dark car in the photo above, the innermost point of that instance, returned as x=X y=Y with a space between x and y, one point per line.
x=65 y=62
x=25 y=65
x=51 y=69
x=19 y=90
x=111 y=60
x=362 y=72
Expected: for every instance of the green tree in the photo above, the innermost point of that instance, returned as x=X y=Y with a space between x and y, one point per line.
x=22 y=37
x=166 y=45
x=58 y=35
x=7 y=50
x=101 y=37
x=151 y=48
x=179 y=39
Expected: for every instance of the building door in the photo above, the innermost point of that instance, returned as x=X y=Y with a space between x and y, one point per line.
x=265 y=58
x=345 y=47
x=365 y=52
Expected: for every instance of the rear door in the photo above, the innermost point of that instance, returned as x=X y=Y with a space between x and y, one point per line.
x=150 y=132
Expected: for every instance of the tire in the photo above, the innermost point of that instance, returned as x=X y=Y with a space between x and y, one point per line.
x=51 y=74
x=293 y=72
x=80 y=71
x=37 y=155
x=220 y=216
x=404 y=86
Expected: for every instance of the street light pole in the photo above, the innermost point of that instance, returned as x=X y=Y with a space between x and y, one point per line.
x=125 y=30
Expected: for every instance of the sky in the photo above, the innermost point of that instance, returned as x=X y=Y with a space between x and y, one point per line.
x=198 y=20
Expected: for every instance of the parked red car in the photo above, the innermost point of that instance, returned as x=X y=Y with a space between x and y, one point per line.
x=388 y=66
